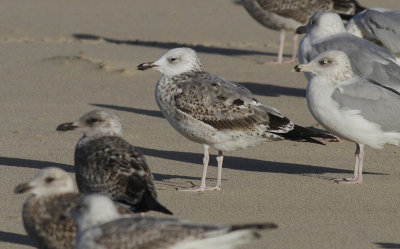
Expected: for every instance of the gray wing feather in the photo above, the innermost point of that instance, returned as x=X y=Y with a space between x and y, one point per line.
x=376 y=103
x=368 y=60
x=383 y=26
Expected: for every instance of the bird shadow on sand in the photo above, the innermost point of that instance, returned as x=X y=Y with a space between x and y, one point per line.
x=170 y=45
x=34 y=164
x=19 y=239
x=388 y=245
x=247 y=164
x=151 y=113
x=273 y=90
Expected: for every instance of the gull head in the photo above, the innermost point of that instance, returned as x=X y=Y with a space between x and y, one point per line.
x=93 y=210
x=94 y=124
x=322 y=24
x=174 y=62
x=49 y=181
x=333 y=65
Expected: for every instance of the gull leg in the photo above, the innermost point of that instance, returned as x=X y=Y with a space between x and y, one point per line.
x=357 y=179
x=202 y=187
x=220 y=158
x=294 y=53
x=280 y=52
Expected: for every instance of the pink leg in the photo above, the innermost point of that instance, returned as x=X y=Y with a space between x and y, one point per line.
x=357 y=179
x=220 y=158
x=294 y=53
x=280 y=52
x=202 y=187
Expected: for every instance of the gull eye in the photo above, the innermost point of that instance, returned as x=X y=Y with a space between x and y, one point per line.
x=172 y=59
x=92 y=120
x=324 y=61
x=49 y=179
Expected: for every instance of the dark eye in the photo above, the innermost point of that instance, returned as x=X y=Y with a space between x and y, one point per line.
x=92 y=120
x=172 y=59
x=49 y=179
x=324 y=61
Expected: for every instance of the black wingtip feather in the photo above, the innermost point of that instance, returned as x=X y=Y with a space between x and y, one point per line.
x=148 y=203
x=301 y=134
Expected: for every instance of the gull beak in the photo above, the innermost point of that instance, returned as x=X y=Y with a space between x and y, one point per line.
x=145 y=66
x=66 y=127
x=22 y=188
x=302 y=68
x=301 y=30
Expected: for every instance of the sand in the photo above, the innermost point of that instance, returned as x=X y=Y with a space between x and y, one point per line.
x=60 y=59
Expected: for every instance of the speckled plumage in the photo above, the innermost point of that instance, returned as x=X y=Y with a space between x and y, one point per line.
x=44 y=221
x=213 y=111
x=105 y=163
x=100 y=227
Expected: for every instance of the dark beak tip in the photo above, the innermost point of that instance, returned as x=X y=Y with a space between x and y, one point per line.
x=301 y=30
x=141 y=67
x=66 y=127
x=22 y=188
x=297 y=68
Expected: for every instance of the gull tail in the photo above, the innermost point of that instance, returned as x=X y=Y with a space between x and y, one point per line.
x=301 y=134
x=227 y=237
x=148 y=203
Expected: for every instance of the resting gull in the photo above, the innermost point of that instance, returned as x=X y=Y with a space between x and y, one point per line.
x=379 y=25
x=210 y=110
x=287 y=15
x=325 y=31
x=105 y=163
x=52 y=194
x=351 y=107
x=101 y=227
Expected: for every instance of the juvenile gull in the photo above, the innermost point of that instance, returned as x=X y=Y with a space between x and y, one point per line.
x=105 y=163
x=287 y=15
x=379 y=25
x=52 y=194
x=351 y=107
x=101 y=227
x=215 y=112
x=325 y=31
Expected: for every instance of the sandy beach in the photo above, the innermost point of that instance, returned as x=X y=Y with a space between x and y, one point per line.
x=61 y=59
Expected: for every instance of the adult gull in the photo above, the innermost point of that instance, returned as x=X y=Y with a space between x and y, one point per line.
x=213 y=111
x=326 y=31
x=379 y=25
x=101 y=227
x=287 y=15
x=106 y=163
x=353 y=108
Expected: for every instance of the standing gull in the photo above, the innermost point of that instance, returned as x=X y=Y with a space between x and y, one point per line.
x=105 y=163
x=52 y=194
x=325 y=31
x=100 y=226
x=213 y=111
x=379 y=25
x=351 y=107
x=287 y=15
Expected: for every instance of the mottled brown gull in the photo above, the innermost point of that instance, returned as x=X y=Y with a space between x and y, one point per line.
x=351 y=107
x=52 y=194
x=215 y=112
x=101 y=227
x=287 y=15
x=105 y=163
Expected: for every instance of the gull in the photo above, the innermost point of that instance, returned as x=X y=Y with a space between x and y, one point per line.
x=101 y=227
x=287 y=15
x=379 y=25
x=353 y=108
x=52 y=194
x=105 y=163
x=325 y=31
x=213 y=111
